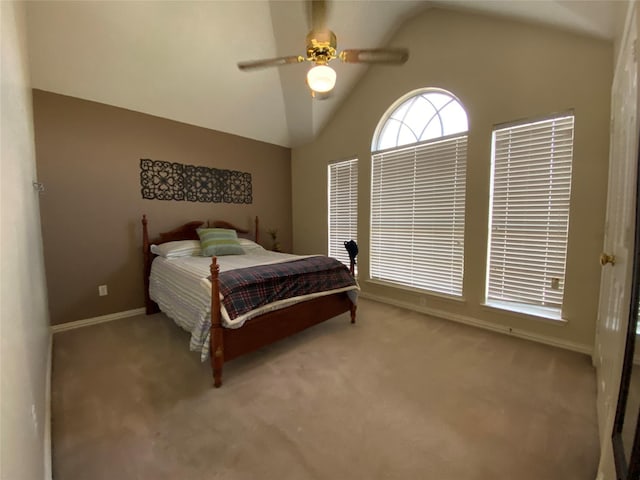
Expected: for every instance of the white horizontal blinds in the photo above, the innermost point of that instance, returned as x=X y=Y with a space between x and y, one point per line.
x=531 y=186
x=343 y=207
x=417 y=215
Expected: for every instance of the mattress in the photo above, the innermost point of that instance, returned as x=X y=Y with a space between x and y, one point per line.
x=181 y=288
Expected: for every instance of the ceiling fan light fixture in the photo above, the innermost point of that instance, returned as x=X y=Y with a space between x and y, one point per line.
x=321 y=78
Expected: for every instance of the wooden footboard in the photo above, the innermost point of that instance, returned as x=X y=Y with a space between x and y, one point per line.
x=227 y=343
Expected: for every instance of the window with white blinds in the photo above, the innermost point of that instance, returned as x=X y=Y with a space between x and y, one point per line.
x=418 y=186
x=529 y=215
x=417 y=215
x=343 y=207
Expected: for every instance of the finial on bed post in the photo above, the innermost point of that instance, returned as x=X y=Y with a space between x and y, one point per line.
x=216 y=347
x=145 y=232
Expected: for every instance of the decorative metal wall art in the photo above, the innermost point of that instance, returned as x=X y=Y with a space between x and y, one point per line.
x=161 y=180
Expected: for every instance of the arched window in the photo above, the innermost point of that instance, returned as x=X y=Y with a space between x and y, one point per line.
x=418 y=187
x=425 y=115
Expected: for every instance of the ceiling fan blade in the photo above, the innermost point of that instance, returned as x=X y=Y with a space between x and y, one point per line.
x=269 y=62
x=317 y=14
x=393 y=56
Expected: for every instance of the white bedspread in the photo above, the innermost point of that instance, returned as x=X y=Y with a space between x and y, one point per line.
x=182 y=291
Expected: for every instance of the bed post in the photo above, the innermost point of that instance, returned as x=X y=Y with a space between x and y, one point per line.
x=146 y=255
x=256 y=232
x=352 y=270
x=216 y=347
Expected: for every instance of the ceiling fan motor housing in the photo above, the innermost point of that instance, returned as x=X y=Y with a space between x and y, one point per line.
x=321 y=46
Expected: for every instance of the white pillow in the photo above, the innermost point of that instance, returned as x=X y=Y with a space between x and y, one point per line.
x=181 y=248
x=249 y=245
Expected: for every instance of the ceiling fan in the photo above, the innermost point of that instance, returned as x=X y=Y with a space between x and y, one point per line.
x=322 y=49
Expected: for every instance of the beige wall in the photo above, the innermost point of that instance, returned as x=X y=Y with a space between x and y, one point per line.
x=88 y=157
x=501 y=71
x=24 y=322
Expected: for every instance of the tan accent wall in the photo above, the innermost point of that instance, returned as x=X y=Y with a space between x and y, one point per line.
x=501 y=71
x=88 y=157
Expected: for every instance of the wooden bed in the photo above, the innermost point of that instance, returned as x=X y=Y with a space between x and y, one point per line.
x=226 y=343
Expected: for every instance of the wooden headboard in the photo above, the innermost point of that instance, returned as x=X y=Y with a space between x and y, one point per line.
x=188 y=231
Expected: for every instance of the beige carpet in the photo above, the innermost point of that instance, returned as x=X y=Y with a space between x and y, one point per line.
x=397 y=396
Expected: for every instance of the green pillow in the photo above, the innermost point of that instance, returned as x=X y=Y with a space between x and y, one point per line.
x=219 y=241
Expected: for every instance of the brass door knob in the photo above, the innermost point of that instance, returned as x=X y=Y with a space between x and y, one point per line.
x=606 y=258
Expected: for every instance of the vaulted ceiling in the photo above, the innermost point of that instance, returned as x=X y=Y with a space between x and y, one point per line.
x=177 y=59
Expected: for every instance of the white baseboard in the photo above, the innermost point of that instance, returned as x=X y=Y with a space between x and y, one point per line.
x=576 y=347
x=48 y=474
x=95 y=320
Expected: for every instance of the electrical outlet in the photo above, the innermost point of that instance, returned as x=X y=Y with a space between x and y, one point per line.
x=102 y=290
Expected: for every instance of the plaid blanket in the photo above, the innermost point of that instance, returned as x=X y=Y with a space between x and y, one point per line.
x=246 y=289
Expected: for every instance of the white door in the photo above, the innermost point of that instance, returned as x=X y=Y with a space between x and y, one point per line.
x=615 y=284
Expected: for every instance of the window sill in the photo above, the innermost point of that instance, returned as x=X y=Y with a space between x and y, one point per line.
x=538 y=313
x=419 y=291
